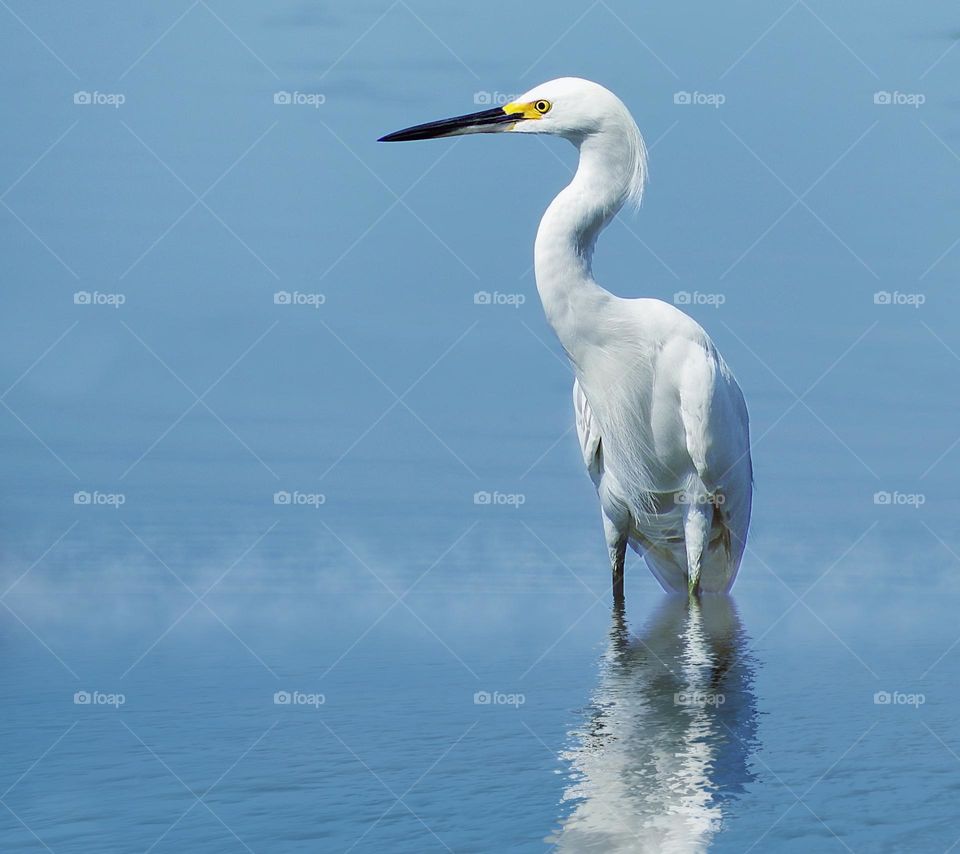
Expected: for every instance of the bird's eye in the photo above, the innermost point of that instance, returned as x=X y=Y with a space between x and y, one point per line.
x=541 y=106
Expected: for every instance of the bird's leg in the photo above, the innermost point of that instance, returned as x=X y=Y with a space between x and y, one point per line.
x=617 y=549
x=697 y=519
x=617 y=557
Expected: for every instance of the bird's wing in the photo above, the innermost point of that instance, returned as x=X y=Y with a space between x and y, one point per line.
x=736 y=478
x=717 y=431
x=589 y=434
x=714 y=417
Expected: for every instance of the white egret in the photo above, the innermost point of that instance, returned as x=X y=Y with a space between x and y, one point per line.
x=662 y=422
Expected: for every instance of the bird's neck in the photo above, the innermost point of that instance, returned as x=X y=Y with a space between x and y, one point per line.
x=568 y=233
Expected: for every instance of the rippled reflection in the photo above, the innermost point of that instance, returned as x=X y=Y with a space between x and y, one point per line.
x=667 y=737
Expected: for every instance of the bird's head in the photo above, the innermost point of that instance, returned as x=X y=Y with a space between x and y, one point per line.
x=579 y=110
x=568 y=106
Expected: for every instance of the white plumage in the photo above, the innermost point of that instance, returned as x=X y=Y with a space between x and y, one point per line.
x=662 y=422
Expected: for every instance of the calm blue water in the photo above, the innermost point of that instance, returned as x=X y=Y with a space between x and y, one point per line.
x=192 y=662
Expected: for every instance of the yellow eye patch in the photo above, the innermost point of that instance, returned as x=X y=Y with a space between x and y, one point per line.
x=533 y=110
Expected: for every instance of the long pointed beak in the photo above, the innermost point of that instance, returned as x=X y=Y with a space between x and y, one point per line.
x=486 y=121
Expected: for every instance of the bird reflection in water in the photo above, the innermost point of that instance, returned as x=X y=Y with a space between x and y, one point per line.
x=667 y=737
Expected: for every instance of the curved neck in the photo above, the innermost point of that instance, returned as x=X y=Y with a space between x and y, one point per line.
x=568 y=233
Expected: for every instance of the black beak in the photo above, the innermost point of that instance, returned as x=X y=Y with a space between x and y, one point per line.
x=486 y=121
